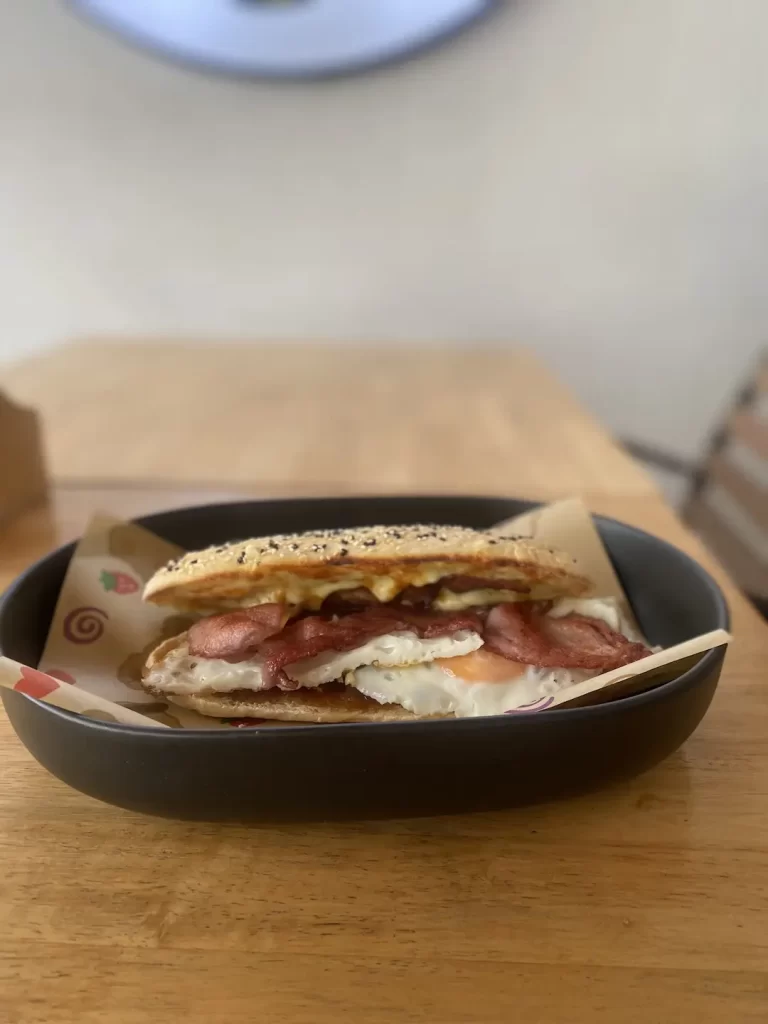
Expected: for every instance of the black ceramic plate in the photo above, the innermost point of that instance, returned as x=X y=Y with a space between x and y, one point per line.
x=334 y=771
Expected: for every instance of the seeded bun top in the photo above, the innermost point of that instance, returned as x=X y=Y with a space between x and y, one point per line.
x=303 y=568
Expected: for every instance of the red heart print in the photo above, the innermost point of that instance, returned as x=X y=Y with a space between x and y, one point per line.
x=35 y=684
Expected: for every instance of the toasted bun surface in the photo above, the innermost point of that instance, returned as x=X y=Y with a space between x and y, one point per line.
x=320 y=704
x=303 y=568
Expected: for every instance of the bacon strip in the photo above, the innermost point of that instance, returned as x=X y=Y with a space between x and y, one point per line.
x=234 y=636
x=424 y=596
x=340 y=602
x=317 y=634
x=523 y=633
x=418 y=597
x=461 y=584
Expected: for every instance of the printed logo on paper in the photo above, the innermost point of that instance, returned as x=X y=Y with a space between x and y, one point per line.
x=118 y=582
x=85 y=625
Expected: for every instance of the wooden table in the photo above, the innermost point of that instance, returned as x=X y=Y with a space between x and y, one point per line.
x=642 y=904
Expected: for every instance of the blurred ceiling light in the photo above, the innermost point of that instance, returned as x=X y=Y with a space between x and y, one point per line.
x=285 y=38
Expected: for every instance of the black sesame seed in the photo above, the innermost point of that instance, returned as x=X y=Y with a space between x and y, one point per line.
x=294 y=547
x=193 y=561
x=370 y=543
x=241 y=558
x=273 y=545
x=343 y=551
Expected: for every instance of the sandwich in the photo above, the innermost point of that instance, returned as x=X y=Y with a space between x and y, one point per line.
x=380 y=624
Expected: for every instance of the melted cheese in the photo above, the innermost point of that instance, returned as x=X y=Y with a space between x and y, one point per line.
x=309 y=592
x=447 y=601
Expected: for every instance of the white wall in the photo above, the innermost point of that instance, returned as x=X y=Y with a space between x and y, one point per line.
x=587 y=176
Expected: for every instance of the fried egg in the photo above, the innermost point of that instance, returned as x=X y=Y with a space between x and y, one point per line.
x=392 y=649
x=443 y=688
x=440 y=676
x=181 y=672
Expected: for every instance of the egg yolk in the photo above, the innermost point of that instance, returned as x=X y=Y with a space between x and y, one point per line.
x=482 y=666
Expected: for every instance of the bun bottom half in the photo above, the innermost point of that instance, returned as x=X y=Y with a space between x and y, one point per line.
x=322 y=704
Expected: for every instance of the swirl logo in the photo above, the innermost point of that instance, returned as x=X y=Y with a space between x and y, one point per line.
x=84 y=625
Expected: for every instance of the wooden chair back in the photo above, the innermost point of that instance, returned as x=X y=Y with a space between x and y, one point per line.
x=728 y=503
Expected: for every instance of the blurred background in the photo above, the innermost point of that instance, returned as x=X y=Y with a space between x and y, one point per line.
x=584 y=177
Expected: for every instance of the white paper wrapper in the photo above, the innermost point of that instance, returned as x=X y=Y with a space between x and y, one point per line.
x=102 y=632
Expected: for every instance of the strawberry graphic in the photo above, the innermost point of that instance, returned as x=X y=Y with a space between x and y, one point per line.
x=120 y=582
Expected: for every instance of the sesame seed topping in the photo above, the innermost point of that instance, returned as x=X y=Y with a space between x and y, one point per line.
x=308 y=553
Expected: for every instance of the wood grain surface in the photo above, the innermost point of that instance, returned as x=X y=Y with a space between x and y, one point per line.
x=372 y=419
x=642 y=904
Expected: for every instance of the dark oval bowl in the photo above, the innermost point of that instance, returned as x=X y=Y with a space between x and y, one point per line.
x=335 y=771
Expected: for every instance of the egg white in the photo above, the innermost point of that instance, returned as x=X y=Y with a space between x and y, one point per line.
x=392 y=649
x=432 y=690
